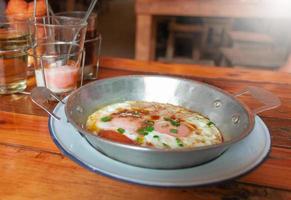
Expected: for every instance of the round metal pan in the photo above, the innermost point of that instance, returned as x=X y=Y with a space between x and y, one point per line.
x=234 y=119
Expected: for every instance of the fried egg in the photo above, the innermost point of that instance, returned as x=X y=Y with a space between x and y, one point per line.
x=152 y=124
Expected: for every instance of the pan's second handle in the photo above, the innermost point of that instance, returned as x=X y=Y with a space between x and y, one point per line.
x=41 y=95
x=269 y=100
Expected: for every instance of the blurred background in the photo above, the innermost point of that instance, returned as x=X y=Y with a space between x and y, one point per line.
x=253 y=34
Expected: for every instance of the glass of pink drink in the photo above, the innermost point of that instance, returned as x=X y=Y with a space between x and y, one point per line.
x=58 y=66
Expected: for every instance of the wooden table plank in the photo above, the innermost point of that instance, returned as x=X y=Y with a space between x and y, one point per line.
x=19 y=103
x=274 y=171
x=28 y=174
x=28 y=131
x=280 y=130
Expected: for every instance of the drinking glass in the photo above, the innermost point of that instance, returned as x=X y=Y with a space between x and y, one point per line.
x=92 y=43
x=51 y=29
x=60 y=29
x=16 y=37
x=58 y=66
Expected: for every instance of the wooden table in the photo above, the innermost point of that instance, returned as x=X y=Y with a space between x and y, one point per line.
x=31 y=166
x=147 y=10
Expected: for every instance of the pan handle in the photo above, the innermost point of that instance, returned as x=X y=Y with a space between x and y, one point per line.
x=41 y=96
x=267 y=98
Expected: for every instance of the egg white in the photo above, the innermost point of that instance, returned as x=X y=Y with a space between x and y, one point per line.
x=205 y=134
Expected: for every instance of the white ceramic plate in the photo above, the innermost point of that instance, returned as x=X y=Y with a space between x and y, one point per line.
x=236 y=161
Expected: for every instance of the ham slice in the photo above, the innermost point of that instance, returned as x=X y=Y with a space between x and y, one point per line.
x=127 y=123
x=166 y=127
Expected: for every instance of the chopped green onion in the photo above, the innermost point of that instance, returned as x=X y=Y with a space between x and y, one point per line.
x=210 y=123
x=173 y=130
x=106 y=119
x=165 y=145
x=179 y=142
x=142 y=131
x=156 y=136
x=173 y=122
x=149 y=128
x=121 y=130
x=145 y=130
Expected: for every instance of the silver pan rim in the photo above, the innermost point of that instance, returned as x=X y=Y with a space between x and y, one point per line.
x=224 y=144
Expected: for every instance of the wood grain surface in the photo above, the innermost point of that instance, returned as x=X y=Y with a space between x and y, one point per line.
x=32 y=167
x=215 y=8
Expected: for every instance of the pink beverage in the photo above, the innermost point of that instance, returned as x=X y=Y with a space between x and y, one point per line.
x=58 y=79
x=55 y=68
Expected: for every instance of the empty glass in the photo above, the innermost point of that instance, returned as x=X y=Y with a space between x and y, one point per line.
x=60 y=29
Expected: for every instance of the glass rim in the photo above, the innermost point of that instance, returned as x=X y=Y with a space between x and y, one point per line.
x=93 y=14
x=31 y=53
x=34 y=22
